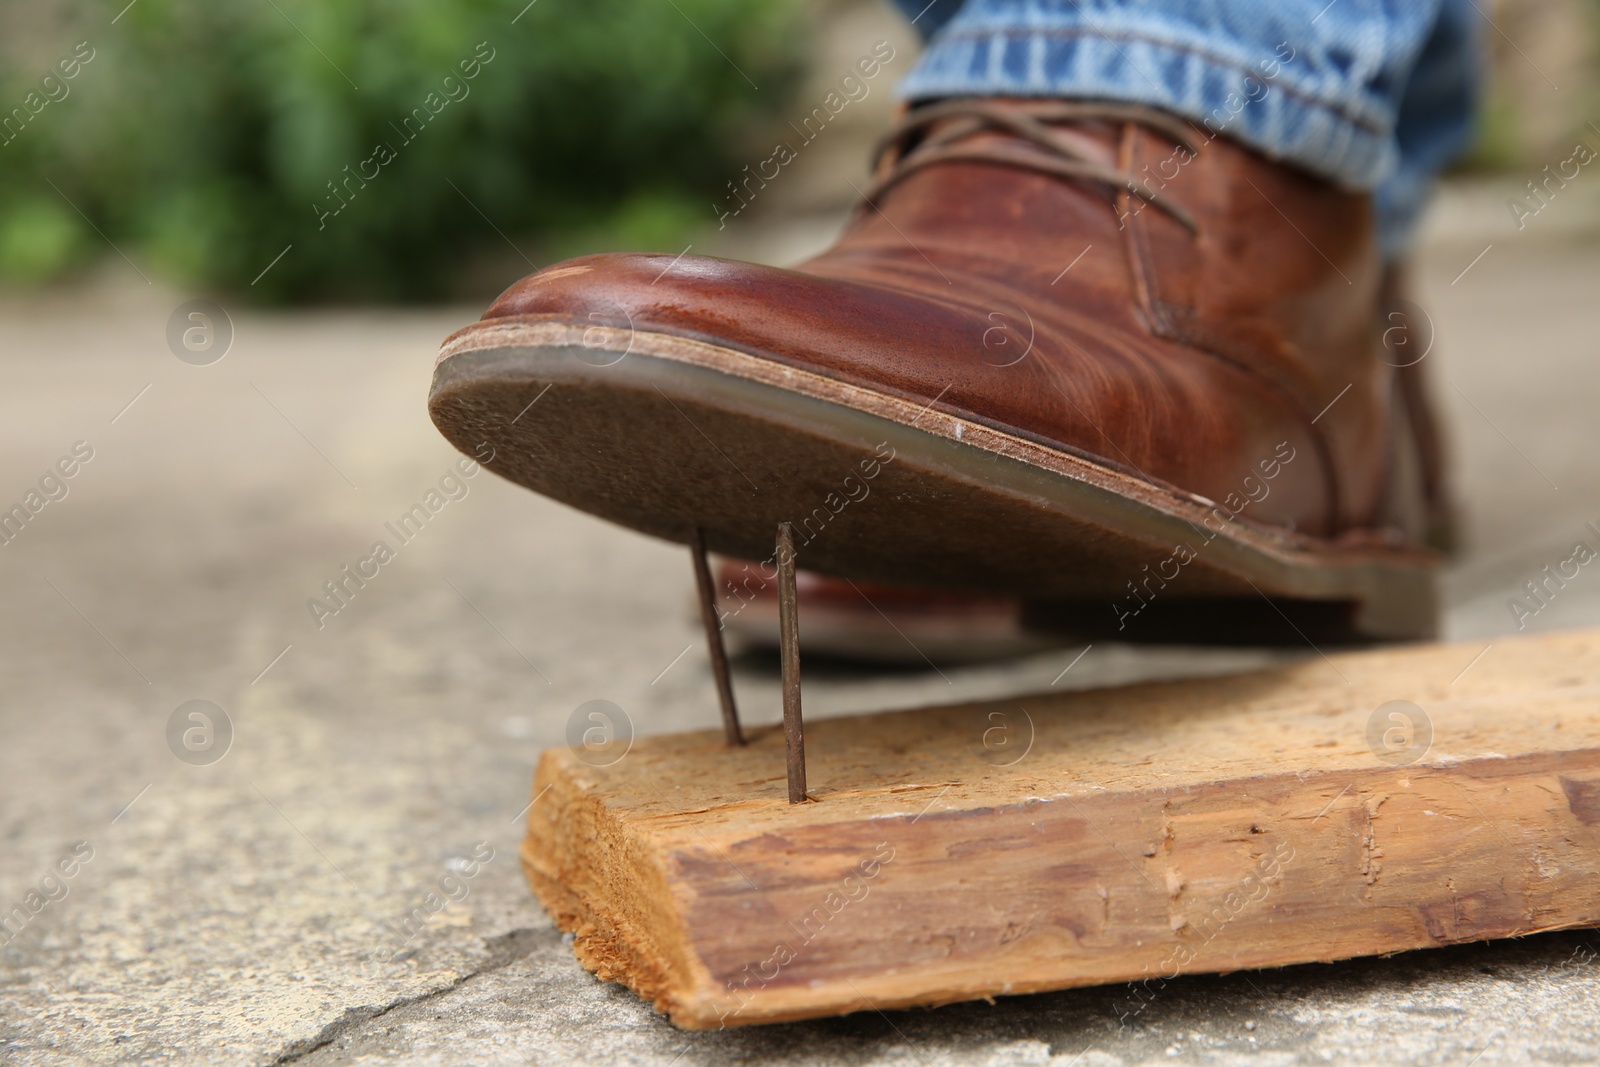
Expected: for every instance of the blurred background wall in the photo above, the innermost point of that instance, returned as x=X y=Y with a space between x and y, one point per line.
x=428 y=150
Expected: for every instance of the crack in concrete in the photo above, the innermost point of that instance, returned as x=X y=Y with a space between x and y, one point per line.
x=504 y=950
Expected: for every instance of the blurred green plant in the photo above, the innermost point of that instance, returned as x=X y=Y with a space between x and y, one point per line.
x=202 y=137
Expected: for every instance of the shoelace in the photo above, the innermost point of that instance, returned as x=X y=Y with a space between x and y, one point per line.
x=961 y=118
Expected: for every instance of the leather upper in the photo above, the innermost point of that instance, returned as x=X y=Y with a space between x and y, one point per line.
x=1190 y=358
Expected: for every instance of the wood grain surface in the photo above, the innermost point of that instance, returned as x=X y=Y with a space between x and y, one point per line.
x=1064 y=839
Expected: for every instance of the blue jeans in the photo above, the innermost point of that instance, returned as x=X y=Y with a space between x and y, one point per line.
x=1375 y=95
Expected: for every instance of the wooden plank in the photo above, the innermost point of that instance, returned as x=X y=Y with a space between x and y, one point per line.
x=1118 y=835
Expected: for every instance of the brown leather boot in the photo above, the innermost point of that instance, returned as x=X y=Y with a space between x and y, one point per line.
x=1075 y=352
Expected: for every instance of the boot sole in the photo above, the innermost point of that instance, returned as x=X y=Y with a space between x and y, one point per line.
x=661 y=434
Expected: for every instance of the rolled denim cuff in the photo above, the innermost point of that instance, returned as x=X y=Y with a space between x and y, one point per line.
x=1267 y=98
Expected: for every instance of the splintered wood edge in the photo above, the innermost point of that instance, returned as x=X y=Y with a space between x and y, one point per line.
x=613 y=895
x=648 y=887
